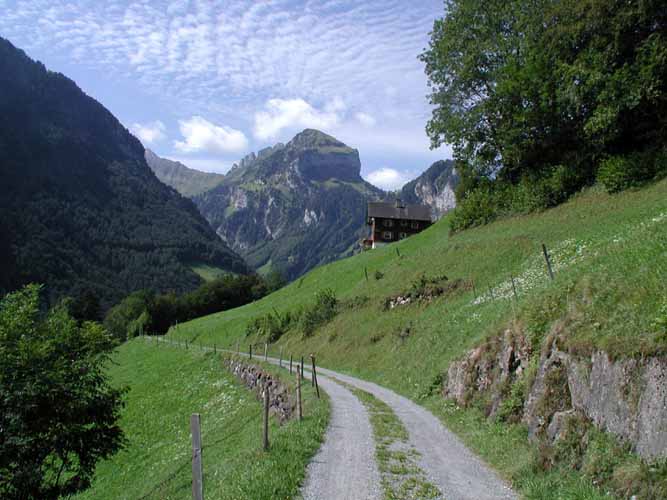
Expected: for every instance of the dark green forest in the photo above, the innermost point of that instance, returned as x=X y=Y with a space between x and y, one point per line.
x=80 y=210
x=540 y=99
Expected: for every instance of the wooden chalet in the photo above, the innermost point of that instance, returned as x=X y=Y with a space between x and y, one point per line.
x=391 y=222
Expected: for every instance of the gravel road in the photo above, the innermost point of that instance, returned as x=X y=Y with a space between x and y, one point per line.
x=448 y=464
x=344 y=468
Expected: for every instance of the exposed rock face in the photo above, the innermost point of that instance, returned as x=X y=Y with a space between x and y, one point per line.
x=627 y=398
x=292 y=207
x=435 y=188
x=281 y=403
x=187 y=181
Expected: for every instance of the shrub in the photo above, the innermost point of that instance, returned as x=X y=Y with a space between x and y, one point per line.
x=479 y=207
x=617 y=173
x=321 y=312
x=271 y=326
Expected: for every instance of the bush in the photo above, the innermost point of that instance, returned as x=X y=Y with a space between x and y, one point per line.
x=479 y=207
x=272 y=326
x=321 y=312
x=617 y=173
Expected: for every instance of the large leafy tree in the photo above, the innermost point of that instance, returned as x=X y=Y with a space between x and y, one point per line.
x=522 y=88
x=58 y=413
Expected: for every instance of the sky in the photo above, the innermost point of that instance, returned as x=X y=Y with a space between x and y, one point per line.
x=207 y=82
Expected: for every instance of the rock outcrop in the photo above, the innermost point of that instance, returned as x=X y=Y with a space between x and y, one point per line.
x=435 y=188
x=626 y=397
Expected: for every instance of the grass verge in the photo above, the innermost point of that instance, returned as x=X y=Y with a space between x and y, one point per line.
x=167 y=384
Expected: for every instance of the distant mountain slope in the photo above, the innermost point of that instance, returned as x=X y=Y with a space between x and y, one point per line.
x=187 y=181
x=435 y=187
x=79 y=207
x=294 y=206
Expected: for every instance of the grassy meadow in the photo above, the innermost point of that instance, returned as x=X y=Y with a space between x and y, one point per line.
x=166 y=385
x=609 y=292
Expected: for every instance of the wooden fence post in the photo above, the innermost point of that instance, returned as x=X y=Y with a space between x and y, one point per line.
x=298 y=395
x=366 y=273
x=266 y=416
x=314 y=377
x=280 y=364
x=546 y=257
x=266 y=351
x=290 y=364
x=301 y=367
x=491 y=293
x=250 y=351
x=516 y=296
x=197 y=479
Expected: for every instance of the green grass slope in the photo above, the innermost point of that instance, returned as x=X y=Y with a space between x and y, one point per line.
x=166 y=385
x=609 y=292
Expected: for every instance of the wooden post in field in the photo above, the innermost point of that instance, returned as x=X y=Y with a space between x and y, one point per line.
x=266 y=351
x=516 y=296
x=298 y=395
x=301 y=367
x=474 y=290
x=546 y=257
x=250 y=351
x=265 y=441
x=290 y=364
x=215 y=349
x=280 y=364
x=366 y=273
x=491 y=293
x=314 y=377
x=197 y=479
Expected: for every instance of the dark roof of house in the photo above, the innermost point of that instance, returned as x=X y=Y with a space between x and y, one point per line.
x=392 y=211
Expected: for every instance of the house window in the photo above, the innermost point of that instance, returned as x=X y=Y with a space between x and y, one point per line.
x=402 y=235
x=414 y=224
x=388 y=223
x=404 y=223
x=387 y=235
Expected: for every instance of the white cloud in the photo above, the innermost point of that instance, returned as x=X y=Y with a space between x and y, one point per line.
x=365 y=119
x=282 y=114
x=149 y=133
x=388 y=179
x=203 y=136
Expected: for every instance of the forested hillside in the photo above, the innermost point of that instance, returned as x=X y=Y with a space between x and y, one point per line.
x=81 y=210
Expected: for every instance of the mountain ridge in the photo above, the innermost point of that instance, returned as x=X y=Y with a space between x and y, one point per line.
x=187 y=181
x=81 y=208
x=292 y=206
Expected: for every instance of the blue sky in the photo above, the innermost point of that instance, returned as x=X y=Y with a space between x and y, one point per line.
x=206 y=82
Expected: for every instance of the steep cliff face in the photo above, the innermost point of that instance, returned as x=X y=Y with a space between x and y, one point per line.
x=435 y=188
x=294 y=206
x=187 y=181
